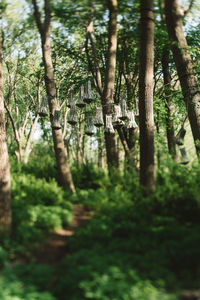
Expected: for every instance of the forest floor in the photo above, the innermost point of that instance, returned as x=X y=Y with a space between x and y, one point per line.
x=56 y=247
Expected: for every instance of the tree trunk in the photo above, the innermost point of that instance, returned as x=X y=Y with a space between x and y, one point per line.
x=107 y=98
x=132 y=137
x=100 y=150
x=79 y=152
x=5 y=192
x=84 y=150
x=169 y=105
x=182 y=58
x=60 y=151
x=18 y=152
x=59 y=148
x=106 y=94
x=27 y=150
x=146 y=121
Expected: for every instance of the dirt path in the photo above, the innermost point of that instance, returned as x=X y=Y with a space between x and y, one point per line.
x=56 y=246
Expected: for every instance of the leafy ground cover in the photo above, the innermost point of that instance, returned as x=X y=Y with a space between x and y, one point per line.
x=135 y=246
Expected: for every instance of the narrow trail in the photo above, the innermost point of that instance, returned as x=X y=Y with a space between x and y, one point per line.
x=56 y=246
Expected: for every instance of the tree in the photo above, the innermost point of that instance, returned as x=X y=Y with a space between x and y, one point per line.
x=5 y=191
x=22 y=108
x=107 y=92
x=60 y=150
x=169 y=105
x=146 y=121
x=184 y=65
x=98 y=51
x=107 y=97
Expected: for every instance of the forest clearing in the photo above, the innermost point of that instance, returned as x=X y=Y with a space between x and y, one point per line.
x=99 y=150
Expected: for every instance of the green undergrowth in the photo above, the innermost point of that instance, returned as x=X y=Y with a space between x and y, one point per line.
x=89 y=177
x=40 y=165
x=137 y=246
x=129 y=252
x=39 y=206
x=12 y=288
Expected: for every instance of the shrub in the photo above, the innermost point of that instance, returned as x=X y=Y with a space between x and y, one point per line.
x=27 y=189
x=119 y=285
x=41 y=164
x=3 y=257
x=89 y=177
x=11 y=288
x=137 y=245
x=38 y=207
x=178 y=192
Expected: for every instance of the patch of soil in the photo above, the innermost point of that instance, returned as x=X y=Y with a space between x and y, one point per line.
x=56 y=246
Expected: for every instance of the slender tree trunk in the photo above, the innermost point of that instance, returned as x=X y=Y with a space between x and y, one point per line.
x=5 y=194
x=18 y=152
x=128 y=139
x=107 y=98
x=131 y=161
x=182 y=58
x=79 y=146
x=130 y=134
x=60 y=151
x=84 y=150
x=131 y=82
x=123 y=141
x=120 y=152
x=146 y=121
x=108 y=92
x=59 y=148
x=100 y=150
x=169 y=105
x=27 y=150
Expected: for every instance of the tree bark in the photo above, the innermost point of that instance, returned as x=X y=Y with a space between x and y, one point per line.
x=100 y=150
x=5 y=189
x=79 y=152
x=107 y=97
x=169 y=105
x=60 y=151
x=27 y=150
x=182 y=58
x=146 y=121
x=107 y=93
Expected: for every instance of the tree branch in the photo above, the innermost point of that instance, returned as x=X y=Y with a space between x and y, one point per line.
x=37 y=16
x=89 y=36
x=189 y=8
x=12 y=122
x=47 y=11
